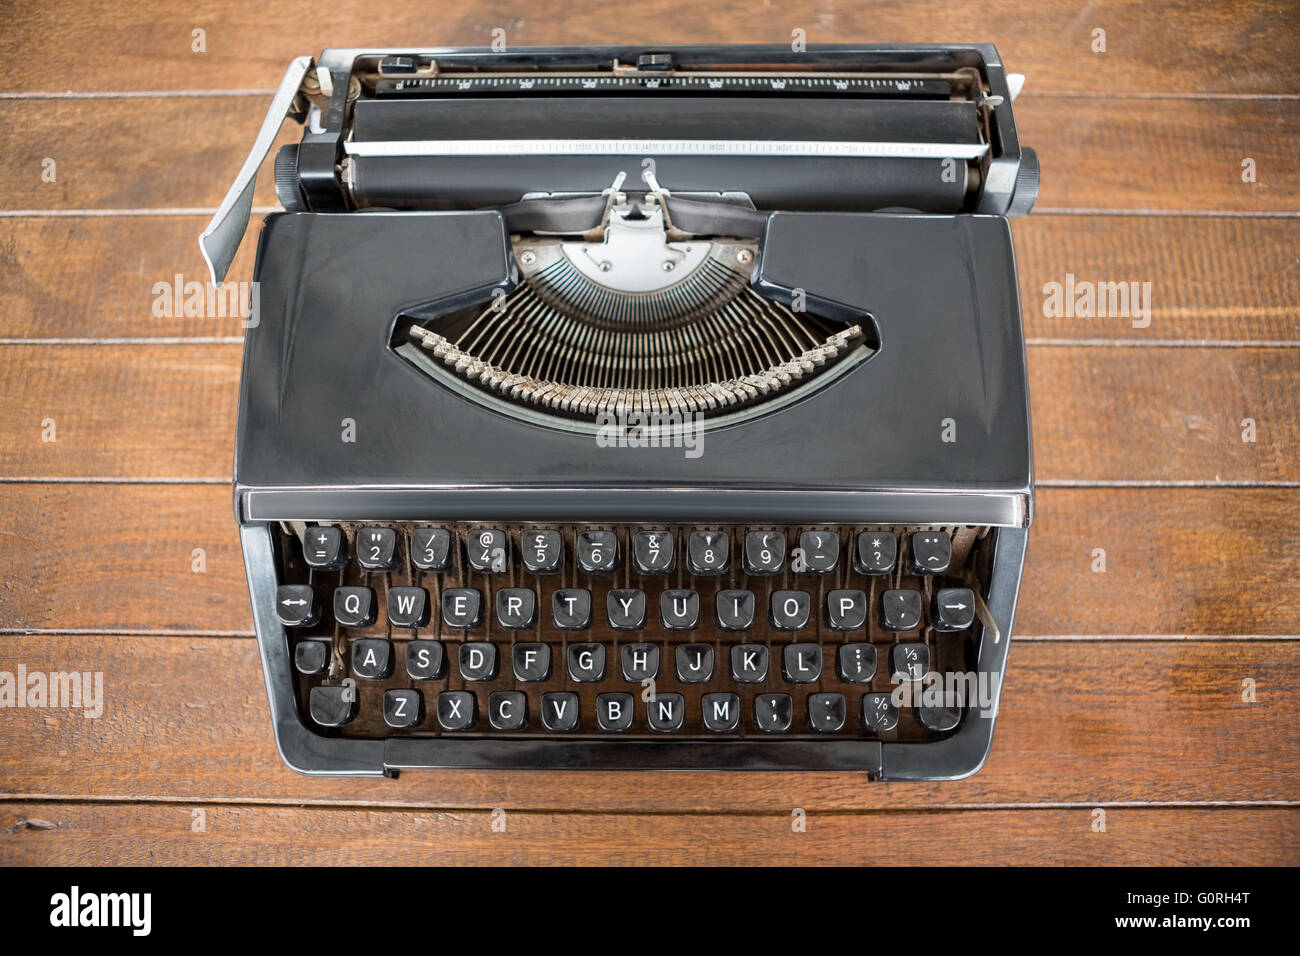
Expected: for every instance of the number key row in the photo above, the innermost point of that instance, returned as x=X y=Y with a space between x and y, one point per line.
x=653 y=552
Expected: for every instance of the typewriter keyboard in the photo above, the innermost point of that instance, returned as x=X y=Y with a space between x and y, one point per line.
x=473 y=630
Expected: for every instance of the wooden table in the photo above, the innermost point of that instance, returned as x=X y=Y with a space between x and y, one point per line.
x=1125 y=686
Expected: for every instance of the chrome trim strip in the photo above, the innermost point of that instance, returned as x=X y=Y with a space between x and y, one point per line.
x=630 y=503
x=664 y=147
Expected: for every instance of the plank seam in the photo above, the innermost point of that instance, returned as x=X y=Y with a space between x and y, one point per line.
x=1151 y=638
x=110 y=480
x=1165 y=343
x=109 y=213
x=145 y=94
x=142 y=340
x=1161 y=483
x=1158 y=95
x=410 y=808
x=1190 y=213
x=121 y=632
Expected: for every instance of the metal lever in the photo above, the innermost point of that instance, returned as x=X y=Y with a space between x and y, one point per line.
x=612 y=198
x=220 y=240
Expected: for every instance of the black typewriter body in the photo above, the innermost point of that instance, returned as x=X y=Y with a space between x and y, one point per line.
x=725 y=470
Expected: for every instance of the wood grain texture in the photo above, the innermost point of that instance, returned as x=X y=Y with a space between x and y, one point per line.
x=1229 y=279
x=1245 y=47
x=1158 y=123
x=172 y=412
x=1222 y=279
x=94 y=277
x=129 y=154
x=1177 y=561
x=120 y=557
x=1165 y=414
x=1098 y=415
x=1115 y=154
x=1164 y=155
x=149 y=835
x=1080 y=724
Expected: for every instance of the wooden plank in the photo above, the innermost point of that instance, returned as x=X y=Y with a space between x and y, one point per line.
x=176 y=152
x=1236 y=279
x=1176 y=561
x=1224 y=279
x=1164 y=154
x=1243 y=47
x=1085 y=722
x=185 y=151
x=1098 y=415
x=95 y=277
x=109 y=557
x=161 y=834
x=1081 y=723
x=119 y=558
x=171 y=415
x=1164 y=414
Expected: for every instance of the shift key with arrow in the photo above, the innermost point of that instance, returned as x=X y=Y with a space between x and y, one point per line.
x=953 y=610
x=295 y=605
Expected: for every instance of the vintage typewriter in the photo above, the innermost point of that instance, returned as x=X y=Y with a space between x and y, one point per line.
x=636 y=408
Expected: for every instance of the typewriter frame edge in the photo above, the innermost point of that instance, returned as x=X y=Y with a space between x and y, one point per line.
x=955 y=757
x=1002 y=192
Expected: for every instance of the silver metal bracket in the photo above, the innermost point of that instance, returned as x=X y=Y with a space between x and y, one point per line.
x=220 y=240
x=634 y=254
